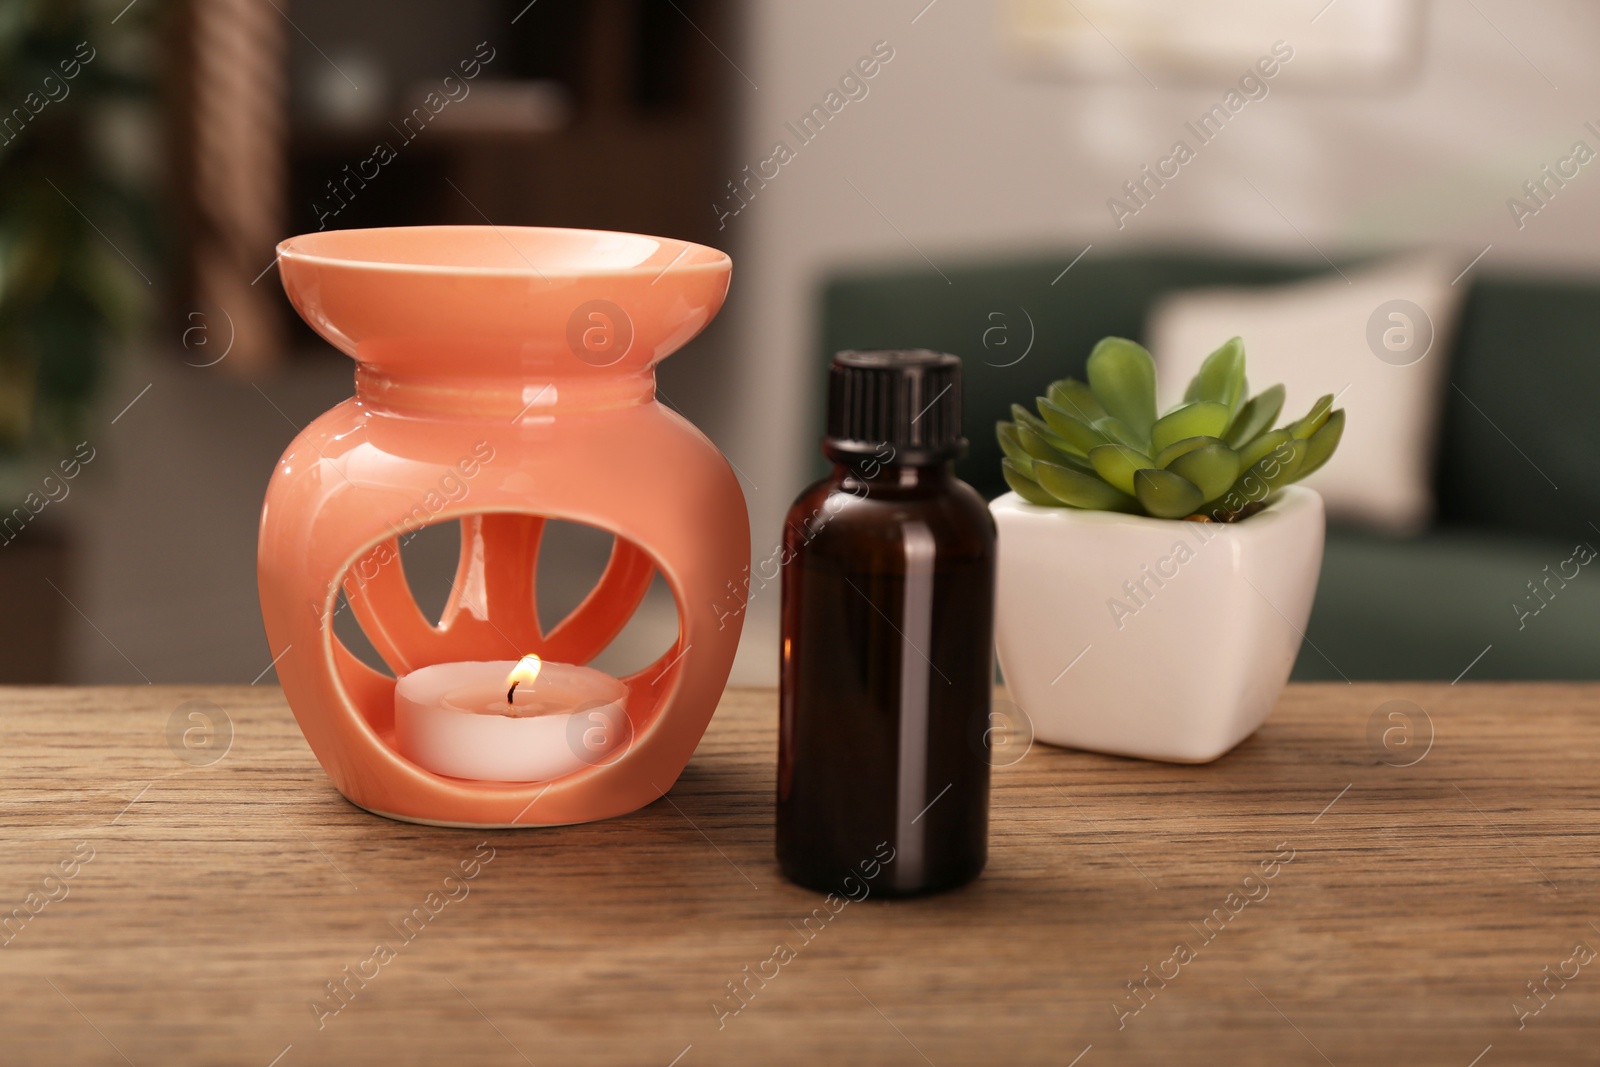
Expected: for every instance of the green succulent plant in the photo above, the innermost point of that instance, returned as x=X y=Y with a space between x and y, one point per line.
x=1215 y=457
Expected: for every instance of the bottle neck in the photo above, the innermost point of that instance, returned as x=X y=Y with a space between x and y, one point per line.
x=877 y=476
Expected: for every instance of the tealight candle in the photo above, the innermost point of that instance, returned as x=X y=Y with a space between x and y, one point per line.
x=509 y=720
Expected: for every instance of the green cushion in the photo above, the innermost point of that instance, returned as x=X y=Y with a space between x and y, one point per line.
x=1425 y=606
x=1528 y=355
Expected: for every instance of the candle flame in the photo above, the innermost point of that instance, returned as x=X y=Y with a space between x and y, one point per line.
x=526 y=670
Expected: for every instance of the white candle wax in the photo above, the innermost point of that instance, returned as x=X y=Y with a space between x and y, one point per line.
x=453 y=719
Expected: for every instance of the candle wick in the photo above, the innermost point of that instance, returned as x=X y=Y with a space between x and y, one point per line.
x=510 y=693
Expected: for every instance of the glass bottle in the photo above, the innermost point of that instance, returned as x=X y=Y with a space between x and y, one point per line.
x=887 y=646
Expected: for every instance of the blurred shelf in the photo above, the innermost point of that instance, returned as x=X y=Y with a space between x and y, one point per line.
x=609 y=114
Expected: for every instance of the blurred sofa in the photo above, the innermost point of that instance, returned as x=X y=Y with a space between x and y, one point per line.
x=1516 y=479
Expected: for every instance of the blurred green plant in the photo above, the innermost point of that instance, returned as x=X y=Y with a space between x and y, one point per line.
x=67 y=213
x=1214 y=457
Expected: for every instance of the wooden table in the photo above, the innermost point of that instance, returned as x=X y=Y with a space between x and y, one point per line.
x=221 y=899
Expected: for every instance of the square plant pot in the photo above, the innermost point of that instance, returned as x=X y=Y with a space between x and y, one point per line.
x=1154 y=638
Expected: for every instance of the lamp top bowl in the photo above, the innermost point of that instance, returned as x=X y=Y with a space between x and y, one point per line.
x=503 y=301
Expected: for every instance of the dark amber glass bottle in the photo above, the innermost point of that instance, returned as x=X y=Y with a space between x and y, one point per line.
x=887 y=661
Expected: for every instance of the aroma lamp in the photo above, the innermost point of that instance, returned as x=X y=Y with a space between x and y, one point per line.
x=518 y=363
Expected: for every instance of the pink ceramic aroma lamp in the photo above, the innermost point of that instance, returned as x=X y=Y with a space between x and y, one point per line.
x=517 y=363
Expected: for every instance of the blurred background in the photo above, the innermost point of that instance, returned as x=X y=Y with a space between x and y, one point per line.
x=997 y=178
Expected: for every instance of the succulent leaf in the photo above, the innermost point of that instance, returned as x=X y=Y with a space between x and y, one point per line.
x=1221 y=376
x=1211 y=468
x=1320 y=445
x=1283 y=466
x=1251 y=453
x=1075 y=398
x=1024 y=417
x=1178 y=448
x=1077 y=433
x=1255 y=417
x=1304 y=428
x=1275 y=468
x=1202 y=418
x=1117 y=464
x=1081 y=490
x=1011 y=445
x=1024 y=486
x=1118 y=432
x=1123 y=378
x=1035 y=444
x=1166 y=495
x=1037 y=447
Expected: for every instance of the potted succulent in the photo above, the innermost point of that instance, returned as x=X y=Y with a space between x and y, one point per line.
x=1156 y=572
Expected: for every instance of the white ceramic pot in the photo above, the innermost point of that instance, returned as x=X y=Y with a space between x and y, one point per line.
x=1154 y=638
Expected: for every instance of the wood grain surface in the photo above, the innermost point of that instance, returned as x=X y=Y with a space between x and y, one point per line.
x=209 y=904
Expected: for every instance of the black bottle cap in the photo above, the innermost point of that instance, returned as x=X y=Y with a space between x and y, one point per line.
x=909 y=399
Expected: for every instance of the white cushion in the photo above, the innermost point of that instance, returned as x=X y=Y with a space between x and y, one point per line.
x=1338 y=334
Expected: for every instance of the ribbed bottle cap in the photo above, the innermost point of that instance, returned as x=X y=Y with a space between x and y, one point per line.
x=907 y=398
